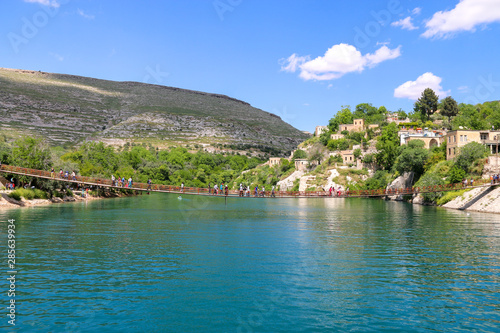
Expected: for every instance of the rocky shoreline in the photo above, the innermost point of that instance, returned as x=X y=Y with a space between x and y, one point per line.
x=7 y=202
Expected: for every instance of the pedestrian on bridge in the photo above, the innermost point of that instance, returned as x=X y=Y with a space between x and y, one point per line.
x=149 y=184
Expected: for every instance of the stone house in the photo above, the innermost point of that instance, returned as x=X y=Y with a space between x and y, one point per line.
x=430 y=138
x=358 y=125
x=320 y=130
x=274 y=161
x=459 y=138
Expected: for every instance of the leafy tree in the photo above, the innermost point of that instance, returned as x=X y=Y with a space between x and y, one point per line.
x=325 y=137
x=368 y=158
x=427 y=104
x=412 y=158
x=402 y=114
x=333 y=144
x=387 y=146
x=5 y=153
x=456 y=175
x=343 y=144
x=299 y=154
x=344 y=116
x=364 y=110
x=437 y=155
x=449 y=108
x=470 y=153
x=356 y=136
x=492 y=112
x=379 y=180
x=31 y=153
x=430 y=179
x=357 y=153
x=470 y=117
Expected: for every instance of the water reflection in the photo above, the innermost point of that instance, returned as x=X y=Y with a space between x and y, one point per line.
x=279 y=265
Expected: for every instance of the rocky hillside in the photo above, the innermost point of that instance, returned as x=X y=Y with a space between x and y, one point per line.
x=67 y=109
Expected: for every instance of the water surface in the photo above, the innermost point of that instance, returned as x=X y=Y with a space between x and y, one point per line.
x=159 y=264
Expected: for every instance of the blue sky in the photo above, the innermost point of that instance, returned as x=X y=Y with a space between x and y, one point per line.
x=302 y=60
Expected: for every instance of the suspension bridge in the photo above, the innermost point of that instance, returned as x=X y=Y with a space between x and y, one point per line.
x=108 y=183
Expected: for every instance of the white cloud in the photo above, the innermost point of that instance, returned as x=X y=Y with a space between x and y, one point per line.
x=337 y=61
x=50 y=3
x=416 y=10
x=466 y=16
x=84 y=15
x=292 y=63
x=404 y=24
x=413 y=89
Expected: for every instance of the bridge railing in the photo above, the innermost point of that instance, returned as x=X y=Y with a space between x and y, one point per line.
x=206 y=191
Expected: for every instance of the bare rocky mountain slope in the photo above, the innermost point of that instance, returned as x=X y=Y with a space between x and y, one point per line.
x=67 y=109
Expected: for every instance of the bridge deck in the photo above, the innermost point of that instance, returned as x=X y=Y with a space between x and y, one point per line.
x=107 y=183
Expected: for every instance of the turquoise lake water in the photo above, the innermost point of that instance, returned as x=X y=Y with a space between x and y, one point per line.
x=159 y=264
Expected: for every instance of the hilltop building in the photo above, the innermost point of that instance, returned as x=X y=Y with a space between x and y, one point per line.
x=430 y=138
x=336 y=136
x=459 y=138
x=320 y=130
x=274 y=161
x=357 y=126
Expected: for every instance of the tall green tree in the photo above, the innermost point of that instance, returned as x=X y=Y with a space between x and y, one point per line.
x=449 y=108
x=427 y=104
x=469 y=154
x=412 y=157
x=388 y=146
x=469 y=117
x=344 y=116
x=33 y=153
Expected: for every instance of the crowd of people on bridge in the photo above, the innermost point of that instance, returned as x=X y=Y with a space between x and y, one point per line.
x=244 y=191
x=495 y=178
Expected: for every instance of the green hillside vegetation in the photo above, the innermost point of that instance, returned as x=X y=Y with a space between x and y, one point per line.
x=66 y=109
x=429 y=167
x=169 y=167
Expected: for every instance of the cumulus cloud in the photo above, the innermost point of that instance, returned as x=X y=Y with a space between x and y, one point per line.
x=413 y=89
x=49 y=3
x=337 y=61
x=405 y=24
x=466 y=16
